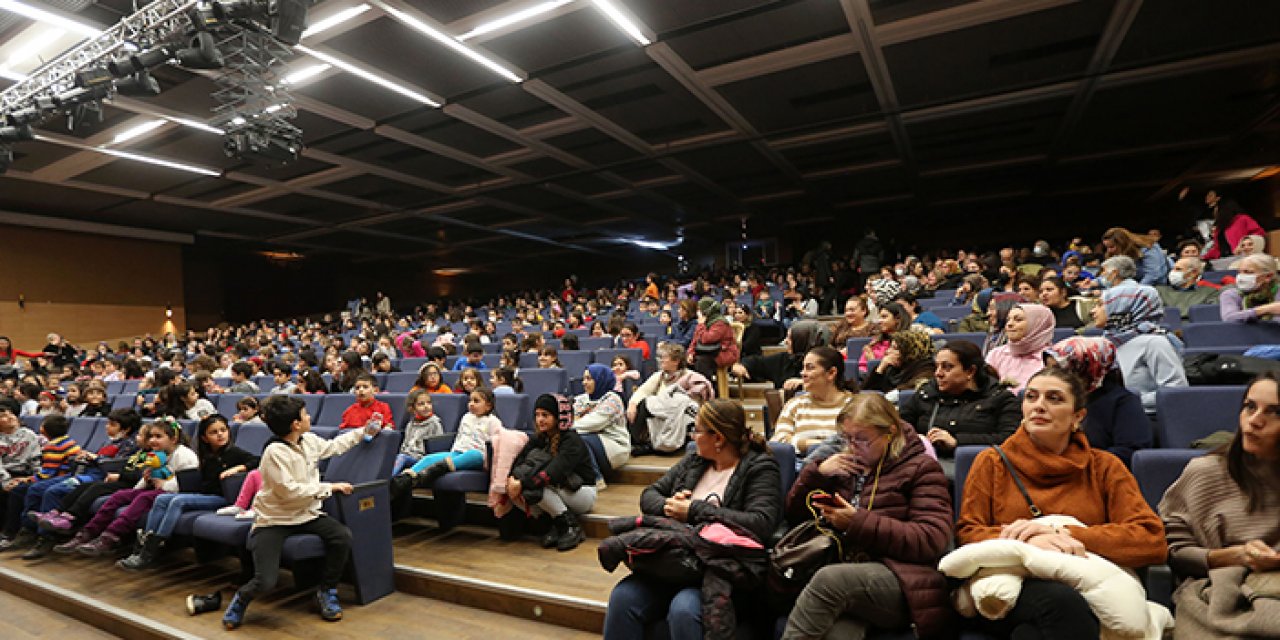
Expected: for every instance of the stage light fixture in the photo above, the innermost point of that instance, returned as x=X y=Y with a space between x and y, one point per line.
x=130 y=65
x=6 y=159
x=81 y=95
x=202 y=53
x=140 y=84
x=20 y=133
x=23 y=116
x=93 y=77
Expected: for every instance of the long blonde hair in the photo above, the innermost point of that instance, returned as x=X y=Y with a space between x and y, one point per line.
x=873 y=410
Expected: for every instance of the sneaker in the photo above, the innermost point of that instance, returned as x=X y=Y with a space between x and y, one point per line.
x=23 y=540
x=60 y=523
x=70 y=545
x=43 y=546
x=234 y=615
x=231 y=510
x=330 y=610
x=197 y=604
x=100 y=546
x=247 y=514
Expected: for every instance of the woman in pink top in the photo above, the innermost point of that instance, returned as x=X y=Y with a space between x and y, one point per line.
x=1030 y=331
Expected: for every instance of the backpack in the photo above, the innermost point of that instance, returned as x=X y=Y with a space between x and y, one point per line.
x=671 y=415
x=1225 y=368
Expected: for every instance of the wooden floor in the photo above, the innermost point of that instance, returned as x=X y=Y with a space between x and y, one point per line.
x=159 y=597
x=25 y=620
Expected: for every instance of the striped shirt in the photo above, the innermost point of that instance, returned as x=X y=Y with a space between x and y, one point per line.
x=57 y=457
x=802 y=418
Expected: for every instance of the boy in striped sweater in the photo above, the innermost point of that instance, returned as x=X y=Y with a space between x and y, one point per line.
x=57 y=459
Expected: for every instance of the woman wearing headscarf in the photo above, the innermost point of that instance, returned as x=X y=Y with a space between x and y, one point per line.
x=1029 y=330
x=1116 y=421
x=713 y=342
x=1150 y=356
x=553 y=473
x=908 y=362
x=783 y=369
x=600 y=413
x=997 y=315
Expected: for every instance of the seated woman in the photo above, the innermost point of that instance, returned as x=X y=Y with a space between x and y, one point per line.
x=1223 y=516
x=1255 y=297
x=713 y=345
x=1116 y=421
x=1250 y=245
x=997 y=316
x=783 y=369
x=630 y=337
x=808 y=419
x=598 y=412
x=892 y=503
x=1151 y=262
x=729 y=478
x=1055 y=295
x=746 y=332
x=1230 y=226
x=1029 y=330
x=969 y=288
x=1062 y=475
x=564 y=486
x=1150 y=356
x=963 y=404
x=854 y=324
x=907 y=363
x=672 y=371
x=893 y=317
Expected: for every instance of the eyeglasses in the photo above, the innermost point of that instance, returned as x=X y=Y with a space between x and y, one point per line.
x=702 y=432
x=852 y=441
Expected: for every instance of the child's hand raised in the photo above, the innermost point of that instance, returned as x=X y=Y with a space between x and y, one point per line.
x=341 y=487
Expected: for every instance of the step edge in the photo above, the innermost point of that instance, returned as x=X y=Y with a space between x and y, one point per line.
x=595 y=606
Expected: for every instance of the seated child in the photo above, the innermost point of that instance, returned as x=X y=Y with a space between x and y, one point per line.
x=122 y=433
x=247 y=411
x=423 y=424
x=622 y=371
x=74 y=400
x=95 y=401
x=473 y=360
x=102 y=534
x=289 y=504
x=505 y=382
x=468 y=452
x=19 y=450
x=240 y=382
x=366 y=405
x=57 y=459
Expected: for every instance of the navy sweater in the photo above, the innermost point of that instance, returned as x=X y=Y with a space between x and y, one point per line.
x=1116 y=422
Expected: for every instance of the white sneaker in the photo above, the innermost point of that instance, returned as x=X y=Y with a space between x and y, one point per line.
x=231 y=510
x=246 y=515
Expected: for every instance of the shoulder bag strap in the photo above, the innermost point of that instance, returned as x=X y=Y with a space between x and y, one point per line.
x=1035 y=511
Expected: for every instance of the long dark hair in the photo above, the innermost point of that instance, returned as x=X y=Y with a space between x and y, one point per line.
x=203 y=450
x=970 y=357
x=830 y=358
x=1240 y=463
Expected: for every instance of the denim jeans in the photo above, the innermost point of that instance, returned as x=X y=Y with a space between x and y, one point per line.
x=636 y=602
x=169 y=507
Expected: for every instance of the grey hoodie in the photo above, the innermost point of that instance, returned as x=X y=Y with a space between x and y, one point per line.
x=19 y=453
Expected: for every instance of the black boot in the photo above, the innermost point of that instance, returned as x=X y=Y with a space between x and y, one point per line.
x=511 y=526
x=432 y=473
x=148 y=548
x=558 y=525
x=573 y=534
x=402 y=485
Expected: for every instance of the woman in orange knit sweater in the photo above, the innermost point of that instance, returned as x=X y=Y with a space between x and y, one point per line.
x=1063 y=476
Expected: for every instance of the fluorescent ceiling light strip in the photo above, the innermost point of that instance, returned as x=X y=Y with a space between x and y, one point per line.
x=46 y=17
x=304 y=74
x=129 y=134
x=11 y=75
x=622 y=21
x=513 y=18
x=335 y=20
x=367 y=75
x=137 y=157
x=196 y=124
x=34 y=46
x=451 y=42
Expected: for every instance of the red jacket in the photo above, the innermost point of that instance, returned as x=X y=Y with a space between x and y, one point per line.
x=1242 y=225
x=720 y=332
x=908 y=527
x=358 y=415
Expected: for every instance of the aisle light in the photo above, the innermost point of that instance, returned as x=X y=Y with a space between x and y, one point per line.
x=46 y=17
x=367 y=75
x=619 y=18
x=335 y=20
x=449 y=41
x=144 y=128
x=518 y=16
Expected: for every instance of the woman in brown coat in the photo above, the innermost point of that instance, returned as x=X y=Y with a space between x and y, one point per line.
x=891 y=500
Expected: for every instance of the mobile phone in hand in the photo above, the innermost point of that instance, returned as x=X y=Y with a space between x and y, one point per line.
x=824 y=499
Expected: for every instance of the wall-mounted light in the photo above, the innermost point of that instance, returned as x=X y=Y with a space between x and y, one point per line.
x=168 y=311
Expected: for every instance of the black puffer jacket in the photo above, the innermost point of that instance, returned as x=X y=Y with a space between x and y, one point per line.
x=985 y=416
x=752 y=499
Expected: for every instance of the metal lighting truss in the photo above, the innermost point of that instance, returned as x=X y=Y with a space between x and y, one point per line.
x=249 y=93
x=150 y=26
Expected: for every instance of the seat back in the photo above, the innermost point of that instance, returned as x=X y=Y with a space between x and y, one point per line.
x=975 y=338
x=1172 y=318
x=1226 y=334
x=400 y=382
x=575 y=362
x=785 y=455
x=540 y=381
x=226 y=403
x=1186 y=414
x=412 y=365
x=332 y=407
x=82 y=430
x=964 y=460
x=594 y=344
x=605 y=357
x=253 y=438
x=367 y=461
x=450 y=407
x=515 y=410
x=1156 y=469
x=399 y=412
x=1204 y=313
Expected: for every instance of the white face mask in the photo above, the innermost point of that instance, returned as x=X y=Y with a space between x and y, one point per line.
x=1177 y=279
x=900 y=272
x=1247 y=282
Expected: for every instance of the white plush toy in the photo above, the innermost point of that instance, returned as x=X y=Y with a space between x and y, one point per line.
x=995 y=569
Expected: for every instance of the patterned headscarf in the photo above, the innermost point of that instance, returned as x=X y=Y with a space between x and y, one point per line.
x=558 y=406
x=885 y=290
x=1134 y=309
x=913 y=345
x=1090 y=358
x=604 y=379
x=1040 y=326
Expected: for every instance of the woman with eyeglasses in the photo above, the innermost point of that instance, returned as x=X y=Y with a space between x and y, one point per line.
x=732 y=478
x=890 y=500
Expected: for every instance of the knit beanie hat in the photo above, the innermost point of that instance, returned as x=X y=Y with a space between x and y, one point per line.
x=557 y=405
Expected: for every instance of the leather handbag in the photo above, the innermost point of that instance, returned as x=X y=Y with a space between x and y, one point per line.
x=803 y=551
